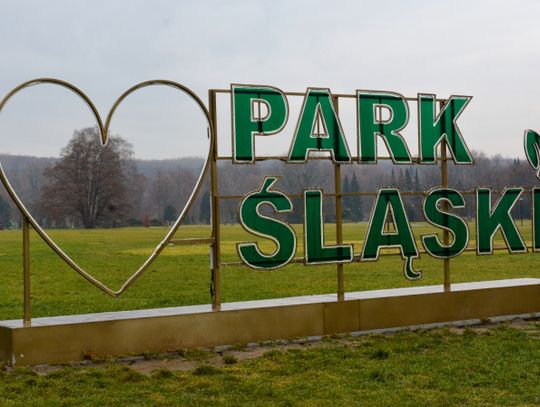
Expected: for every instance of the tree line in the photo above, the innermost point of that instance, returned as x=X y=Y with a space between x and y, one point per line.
x=92 y=186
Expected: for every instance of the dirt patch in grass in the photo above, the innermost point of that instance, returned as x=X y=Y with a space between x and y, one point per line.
x=192 y=359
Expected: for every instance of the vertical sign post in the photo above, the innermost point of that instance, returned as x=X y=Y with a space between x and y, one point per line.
x=339 y=217
x=27 y=317
x=444 y=184
x=215 y=220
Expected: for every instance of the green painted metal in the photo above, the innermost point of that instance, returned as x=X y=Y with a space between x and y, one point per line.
x=389 y=203
x=370 y=126
x=491 y=219
x=316 y=252
x=264 y=226
x=447 y=221
x=531 y=141
x=245 y=100
x=434 y=128
x=319 y=129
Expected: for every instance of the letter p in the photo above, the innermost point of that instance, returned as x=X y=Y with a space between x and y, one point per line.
x=256 y=111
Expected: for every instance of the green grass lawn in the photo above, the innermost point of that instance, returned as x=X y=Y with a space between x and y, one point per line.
x=181 y=275
x=488 y=366
x=472 y=367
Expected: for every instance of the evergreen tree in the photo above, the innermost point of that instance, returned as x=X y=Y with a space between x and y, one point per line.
x=356 y=201
x=4 y=212
x=407 y=181
x=170 y=214
x=408 y=200
x=204 y=215
x=346 y=184
x=417 y=201
x=346 y=199
x=417 y=186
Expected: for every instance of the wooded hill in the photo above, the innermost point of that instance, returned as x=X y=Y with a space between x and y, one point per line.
x=158 y=189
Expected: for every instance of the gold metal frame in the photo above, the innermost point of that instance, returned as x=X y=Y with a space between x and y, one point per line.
x=338 y=196
x=210 y=164
x=28 y=220
x=62 y=339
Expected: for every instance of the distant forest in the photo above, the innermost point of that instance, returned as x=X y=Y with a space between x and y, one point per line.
x=159 y=189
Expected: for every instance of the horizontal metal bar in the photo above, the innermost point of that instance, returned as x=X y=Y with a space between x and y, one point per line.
x=243 y=196
x=415 y=160
x=473 y=249
x=374 y=193
x=358 y=259
x=329 y=194
x=338 y=95
x=191 y=241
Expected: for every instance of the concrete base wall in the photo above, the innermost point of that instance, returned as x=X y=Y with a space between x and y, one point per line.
x=71 y=338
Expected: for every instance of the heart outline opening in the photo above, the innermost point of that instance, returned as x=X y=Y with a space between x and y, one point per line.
x=104 y=133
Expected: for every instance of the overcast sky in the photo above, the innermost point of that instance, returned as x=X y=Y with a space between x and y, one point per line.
x=487 y=49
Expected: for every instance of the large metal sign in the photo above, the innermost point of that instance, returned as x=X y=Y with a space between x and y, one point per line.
x=263 y=111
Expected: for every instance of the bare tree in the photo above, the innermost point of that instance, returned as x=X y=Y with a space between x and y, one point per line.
x=89 y=181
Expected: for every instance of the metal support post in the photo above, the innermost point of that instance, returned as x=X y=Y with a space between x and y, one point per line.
x=339 y=218
x=216 y=238
x=446 y=237
x=27 y=316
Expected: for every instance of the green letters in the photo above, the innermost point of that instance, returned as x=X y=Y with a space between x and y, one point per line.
x=248 y=119
x=263 y=110
x=315 y=252
x=488 y=220
x=389 y=200
x=260 y=225
x=532 y=149
x=454 y=224
x=370 y=126
x=433 y=129
x=319 y=129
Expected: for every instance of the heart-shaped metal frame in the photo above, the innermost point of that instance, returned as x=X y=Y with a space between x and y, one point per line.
x=104 y=132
